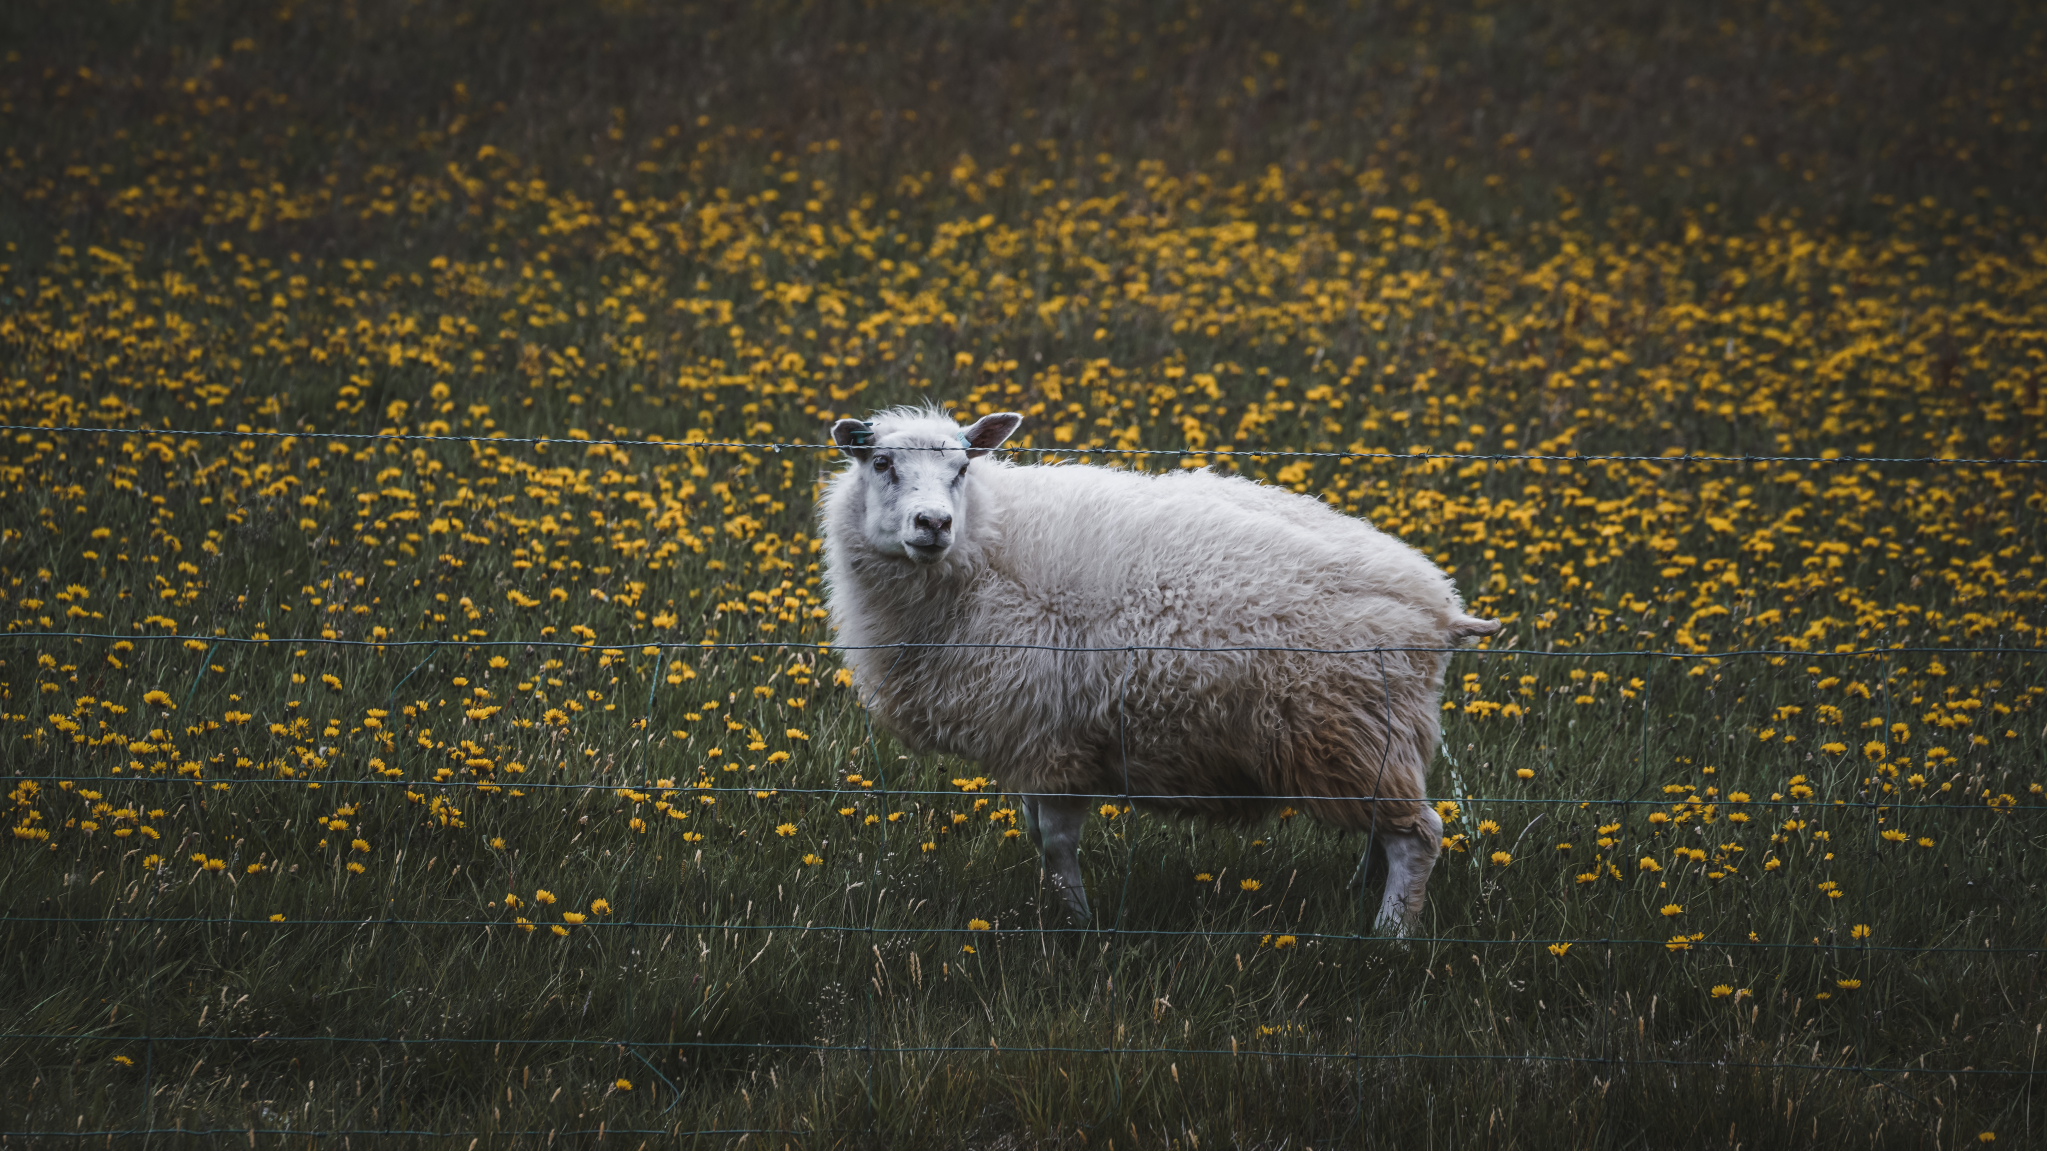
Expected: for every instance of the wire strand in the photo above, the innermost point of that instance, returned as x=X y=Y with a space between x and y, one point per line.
x=1181 y=453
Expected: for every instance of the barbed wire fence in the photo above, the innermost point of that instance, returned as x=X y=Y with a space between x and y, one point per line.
x=1868 y=797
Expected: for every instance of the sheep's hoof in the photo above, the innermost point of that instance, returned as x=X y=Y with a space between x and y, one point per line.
x=1394 y=927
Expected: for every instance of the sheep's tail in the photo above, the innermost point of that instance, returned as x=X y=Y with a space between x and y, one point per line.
x=1467 y=627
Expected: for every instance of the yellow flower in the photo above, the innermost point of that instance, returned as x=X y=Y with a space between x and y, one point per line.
x=624 y=1085
x=360 y=844
x=277 y=917
x=812 y=859
x=1848 y=984
x=1487 y=827
x=1502 y=858
x=785 y=830
x=1559 y=949
x=1284 y=941
x=1249 y=884
x=977 y=925
x=1722 y=991
x=1648 y=864
x=600 y=907
x=558 y=929
x=523 y=924
x=1859 y=931
x=1672 y=909
x=543 y=896
x=572 y=918
x=158 y=699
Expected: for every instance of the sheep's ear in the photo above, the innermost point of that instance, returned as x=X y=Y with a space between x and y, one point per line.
x=854 y=437
x=988 y=432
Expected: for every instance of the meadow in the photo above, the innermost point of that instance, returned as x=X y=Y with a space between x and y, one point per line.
x=410 y=459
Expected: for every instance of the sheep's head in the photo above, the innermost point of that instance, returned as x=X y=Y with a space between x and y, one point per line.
x=911 y=469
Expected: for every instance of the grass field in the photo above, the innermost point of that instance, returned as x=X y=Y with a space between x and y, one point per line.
x=357 y=741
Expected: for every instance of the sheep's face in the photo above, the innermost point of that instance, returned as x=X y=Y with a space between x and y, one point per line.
x=912 y=477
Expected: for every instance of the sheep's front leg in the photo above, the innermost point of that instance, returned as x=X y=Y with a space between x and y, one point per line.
x=1054 y=822
x=1410 y=856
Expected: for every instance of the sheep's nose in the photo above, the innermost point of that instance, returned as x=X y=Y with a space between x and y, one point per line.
x=930 y=522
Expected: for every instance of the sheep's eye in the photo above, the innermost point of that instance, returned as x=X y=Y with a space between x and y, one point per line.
x=962 y=473
x=881 y=463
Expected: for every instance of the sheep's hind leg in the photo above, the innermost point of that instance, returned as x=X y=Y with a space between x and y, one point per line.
x=1410 y=856
x=1056 y=821
x=1030 y=814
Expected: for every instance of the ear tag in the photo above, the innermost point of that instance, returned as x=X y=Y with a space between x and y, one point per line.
x=864 y=437
x=962 y=436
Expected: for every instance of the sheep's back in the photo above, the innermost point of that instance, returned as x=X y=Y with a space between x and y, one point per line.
x=1196 y=559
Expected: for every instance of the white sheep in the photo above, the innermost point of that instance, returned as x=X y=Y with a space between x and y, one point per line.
x=927 y=543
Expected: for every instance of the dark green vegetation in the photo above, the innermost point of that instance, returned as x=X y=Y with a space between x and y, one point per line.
x=261 y=844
